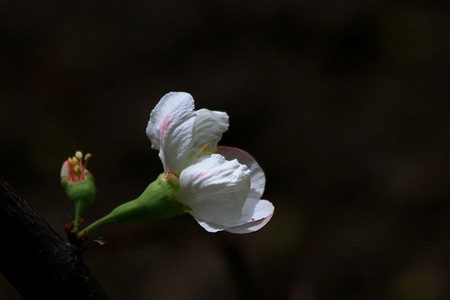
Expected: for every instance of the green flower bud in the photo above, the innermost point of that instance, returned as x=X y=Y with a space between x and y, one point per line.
x=78 y=183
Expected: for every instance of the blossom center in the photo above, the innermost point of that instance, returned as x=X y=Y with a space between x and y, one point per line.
x=201 y=152
x=77 y=166
x=206 y=147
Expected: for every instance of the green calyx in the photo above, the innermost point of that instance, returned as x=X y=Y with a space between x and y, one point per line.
x=81 y=193
x=158 y=201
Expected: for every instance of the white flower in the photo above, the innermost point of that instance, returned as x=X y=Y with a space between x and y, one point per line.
x=223 y=189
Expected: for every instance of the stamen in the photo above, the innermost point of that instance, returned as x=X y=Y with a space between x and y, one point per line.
x=201 y=151
x=77 y=169
x=79 y=155
x=77 y=166
x=205 y=147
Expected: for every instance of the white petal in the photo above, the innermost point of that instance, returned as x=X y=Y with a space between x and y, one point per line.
x=170 y=128
x=208 y=128
x=257 y=177
x=65 y=171
x=256 y=214
x=210 y=227
x=215 y=189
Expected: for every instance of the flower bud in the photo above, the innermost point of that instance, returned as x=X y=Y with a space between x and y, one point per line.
x=78 y=183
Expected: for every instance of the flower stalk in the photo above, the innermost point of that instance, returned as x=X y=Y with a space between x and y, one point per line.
x=158 y=201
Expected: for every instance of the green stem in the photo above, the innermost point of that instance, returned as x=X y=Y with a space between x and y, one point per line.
x=158 y=201
x=126 y=212
x=78 y=213
x=88 y=230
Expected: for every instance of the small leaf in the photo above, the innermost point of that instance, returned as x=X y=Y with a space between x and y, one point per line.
x=100 y=240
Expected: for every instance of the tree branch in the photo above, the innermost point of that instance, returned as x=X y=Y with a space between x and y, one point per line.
x=35 y=259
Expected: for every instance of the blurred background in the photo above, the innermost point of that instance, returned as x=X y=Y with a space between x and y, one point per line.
x=344 y=104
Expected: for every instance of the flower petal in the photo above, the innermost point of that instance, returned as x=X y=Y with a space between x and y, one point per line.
x=210 y=227
x=215 y=189
x=257 y=177
x=208 y=128
x=257 y=213
x=170 y=129
x=65 y=171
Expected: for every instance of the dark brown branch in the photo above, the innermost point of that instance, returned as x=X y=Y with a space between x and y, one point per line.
x=35 y=259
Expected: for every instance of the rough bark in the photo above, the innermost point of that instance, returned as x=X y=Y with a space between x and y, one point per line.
x=35 y=259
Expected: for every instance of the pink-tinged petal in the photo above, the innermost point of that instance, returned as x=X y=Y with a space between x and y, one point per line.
x=258 y=214
x=170 y=129
x=215 y=189
x=208 y=128
x=173 y=107
x=257 y=177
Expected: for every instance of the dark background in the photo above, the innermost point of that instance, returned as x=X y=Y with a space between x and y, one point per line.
x=344 y=104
